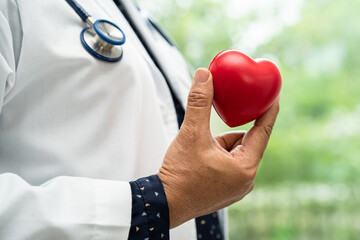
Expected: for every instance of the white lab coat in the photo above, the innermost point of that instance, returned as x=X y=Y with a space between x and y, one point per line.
x=75 y=130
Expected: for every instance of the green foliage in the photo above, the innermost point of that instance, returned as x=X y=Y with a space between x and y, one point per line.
x=317 y=136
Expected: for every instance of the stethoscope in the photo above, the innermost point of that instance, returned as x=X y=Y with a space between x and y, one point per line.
x=103 y=39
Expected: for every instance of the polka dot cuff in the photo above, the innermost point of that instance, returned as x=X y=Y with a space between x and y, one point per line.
x=150 y=211
x=208 y=227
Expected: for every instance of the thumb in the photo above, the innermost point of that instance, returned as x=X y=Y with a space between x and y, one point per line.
x=200 y=98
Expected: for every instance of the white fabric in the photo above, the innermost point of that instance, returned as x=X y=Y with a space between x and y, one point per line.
x=75 y=130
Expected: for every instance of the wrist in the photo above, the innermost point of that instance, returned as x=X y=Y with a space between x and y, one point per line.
x=180 y=207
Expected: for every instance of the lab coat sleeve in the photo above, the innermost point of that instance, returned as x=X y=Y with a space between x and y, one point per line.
x=7 y=59
x=64 y=207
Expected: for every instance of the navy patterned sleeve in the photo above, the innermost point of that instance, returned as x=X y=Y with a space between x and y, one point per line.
x=150 y=211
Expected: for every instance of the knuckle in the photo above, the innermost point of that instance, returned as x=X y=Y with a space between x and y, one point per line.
x=197 y=99
x=246 y=175
x=185 y=133
x=267 y=130
x=251 y=173
x=191 y=129
x=188 y=133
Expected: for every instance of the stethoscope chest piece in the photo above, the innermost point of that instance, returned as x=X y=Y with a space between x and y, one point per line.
x=103 y=41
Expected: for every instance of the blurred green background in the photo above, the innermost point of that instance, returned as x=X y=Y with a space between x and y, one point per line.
x=308 y=183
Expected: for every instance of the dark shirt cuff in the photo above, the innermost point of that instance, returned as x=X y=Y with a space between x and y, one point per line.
x=150 y=211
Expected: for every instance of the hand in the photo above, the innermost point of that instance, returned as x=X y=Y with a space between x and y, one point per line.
x=202 y=174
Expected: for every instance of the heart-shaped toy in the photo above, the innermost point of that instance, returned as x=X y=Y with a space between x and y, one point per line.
x=244 y=88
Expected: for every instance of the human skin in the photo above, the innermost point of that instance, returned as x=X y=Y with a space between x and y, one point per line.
x=202 y=174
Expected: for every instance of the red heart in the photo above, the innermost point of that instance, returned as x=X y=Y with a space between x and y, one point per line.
x=244 y=88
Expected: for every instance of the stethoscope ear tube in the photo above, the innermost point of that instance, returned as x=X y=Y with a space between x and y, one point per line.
x=83 y=14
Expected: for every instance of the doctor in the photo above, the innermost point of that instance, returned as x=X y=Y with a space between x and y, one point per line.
x=82 y=140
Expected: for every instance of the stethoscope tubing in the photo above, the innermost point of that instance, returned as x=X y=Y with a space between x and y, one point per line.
x=83 y=14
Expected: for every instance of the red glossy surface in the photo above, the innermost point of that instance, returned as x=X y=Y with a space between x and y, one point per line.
x=244 y=88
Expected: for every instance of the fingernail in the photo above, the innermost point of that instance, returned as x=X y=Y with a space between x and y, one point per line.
x=201 y=75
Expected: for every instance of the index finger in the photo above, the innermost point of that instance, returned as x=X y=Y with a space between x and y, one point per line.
x=257 y=138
